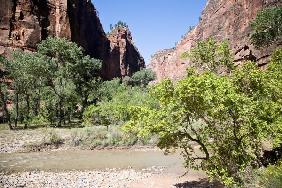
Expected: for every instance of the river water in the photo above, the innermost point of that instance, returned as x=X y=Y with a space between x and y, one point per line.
x=90 y=160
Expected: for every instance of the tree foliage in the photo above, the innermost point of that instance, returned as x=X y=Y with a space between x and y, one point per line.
x=226 y=116
x=119 y=24
x=267 y=27
x=211 y=55
x=141 y=78
x=52 y=83
x=114 y=109
x=271 y=176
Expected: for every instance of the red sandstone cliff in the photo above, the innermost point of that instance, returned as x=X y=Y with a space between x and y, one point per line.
x=221 y=19
x=24 y=23
x=124 y=56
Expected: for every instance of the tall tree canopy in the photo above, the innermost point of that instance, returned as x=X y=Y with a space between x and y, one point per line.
x=52 y=83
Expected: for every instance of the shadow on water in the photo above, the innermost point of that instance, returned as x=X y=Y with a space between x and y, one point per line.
x=203 y=183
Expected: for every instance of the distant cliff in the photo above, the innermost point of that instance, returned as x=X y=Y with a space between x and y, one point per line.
x=222 y=20
x=124 y=56
x=24 y=23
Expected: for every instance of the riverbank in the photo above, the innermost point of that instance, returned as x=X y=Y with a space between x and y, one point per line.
x=51 y=139
x=111 y=178
x=40 y=179
x=28 y=159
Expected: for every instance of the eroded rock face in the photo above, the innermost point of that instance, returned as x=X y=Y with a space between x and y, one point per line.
x=124 y=57
x=223 y=20
x=24 y=23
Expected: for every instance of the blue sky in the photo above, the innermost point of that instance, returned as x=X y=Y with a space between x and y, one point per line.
x=155 y=24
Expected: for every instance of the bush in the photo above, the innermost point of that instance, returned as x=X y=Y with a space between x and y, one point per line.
x=52 y=137
x=92 y=137
x=109 y=88
x=116 y=110
x=38 y=121
x=267 y=27
x=141 y=78
x=210 y=55
x=271 y=177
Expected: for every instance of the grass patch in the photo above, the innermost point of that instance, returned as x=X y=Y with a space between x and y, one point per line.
x=52 y=137
x=101 y=137
x=4 y=127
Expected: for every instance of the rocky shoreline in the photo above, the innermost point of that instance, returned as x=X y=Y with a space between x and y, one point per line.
x=111 y=178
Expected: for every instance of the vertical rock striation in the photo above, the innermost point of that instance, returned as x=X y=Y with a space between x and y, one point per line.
x=223 y=20
x=124 y=57
x=24 y=23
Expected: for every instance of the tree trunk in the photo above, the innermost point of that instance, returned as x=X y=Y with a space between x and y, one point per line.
x=64 y=115
x=17 y=110
x=69 y=118
x=60 y=113
x=84 y=105
x=5 y=109
x=28 y=110
x=37 y=104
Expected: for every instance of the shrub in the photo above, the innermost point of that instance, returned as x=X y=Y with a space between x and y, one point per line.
x=210 y=55
x=109 y=88
x=38 y=120
x=271 y=177
x=267 y=27
x=142 y=78
x=92 y=137
x=52 y=137
x=116 y=110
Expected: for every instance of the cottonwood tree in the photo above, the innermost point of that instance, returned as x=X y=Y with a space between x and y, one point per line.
x=72 y=76
x=26 y=70
x=219 y=121
x=50 y=84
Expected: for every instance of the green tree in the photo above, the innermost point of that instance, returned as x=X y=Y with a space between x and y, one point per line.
x=52 y=83
x=72 y=76
x=109 y=89
x=4 y=93
x=141 y=78
x=211 y=55
x=267 y=27
x=4 y=97
x=26 y=70
x=226 y=116
x=114 y=110
x=119 y=24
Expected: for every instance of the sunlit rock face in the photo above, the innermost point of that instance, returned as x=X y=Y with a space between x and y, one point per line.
x=223 y=20
x=124 y=57
x=24 y=23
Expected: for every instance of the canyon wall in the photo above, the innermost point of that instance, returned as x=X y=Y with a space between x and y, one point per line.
x=222 y=20
x=24 y=23
x=123 y=54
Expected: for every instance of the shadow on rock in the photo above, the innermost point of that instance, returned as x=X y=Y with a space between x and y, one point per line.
x=203 y=183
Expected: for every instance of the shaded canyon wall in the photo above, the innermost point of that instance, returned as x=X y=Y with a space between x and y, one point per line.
x=24 y=23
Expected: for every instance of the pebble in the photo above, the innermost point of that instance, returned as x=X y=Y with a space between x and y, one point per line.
x=81 y=179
